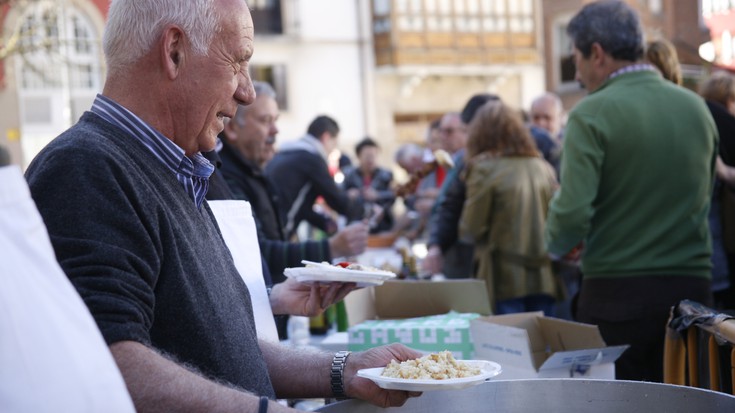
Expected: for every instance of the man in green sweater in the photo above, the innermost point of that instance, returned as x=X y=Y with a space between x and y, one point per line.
x=636 y=175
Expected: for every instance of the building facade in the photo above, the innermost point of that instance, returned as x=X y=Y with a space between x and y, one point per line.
x=432 y=56
x=383 y=68
x=52 y=68
x=387 y=68
x=719 y=17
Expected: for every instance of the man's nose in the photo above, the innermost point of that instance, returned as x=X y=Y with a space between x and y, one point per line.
x=245 y=92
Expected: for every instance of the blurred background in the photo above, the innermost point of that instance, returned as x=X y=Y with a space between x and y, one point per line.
x=383 y=68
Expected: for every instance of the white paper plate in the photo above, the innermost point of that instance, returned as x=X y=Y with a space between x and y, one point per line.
x=488 y=369
x=337 y=274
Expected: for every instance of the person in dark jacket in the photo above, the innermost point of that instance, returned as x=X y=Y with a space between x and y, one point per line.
x=243 y=149
x=369 y=186
x=244 y=143
x=719 y=93
x=446 y=254
x=301 y=170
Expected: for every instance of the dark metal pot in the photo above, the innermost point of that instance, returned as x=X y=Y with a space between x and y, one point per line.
x=557 y=395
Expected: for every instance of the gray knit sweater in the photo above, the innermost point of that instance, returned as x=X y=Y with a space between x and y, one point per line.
x=149 y=265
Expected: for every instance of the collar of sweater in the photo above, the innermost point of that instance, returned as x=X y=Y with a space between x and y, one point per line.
x=630 y=76
x=638 y=67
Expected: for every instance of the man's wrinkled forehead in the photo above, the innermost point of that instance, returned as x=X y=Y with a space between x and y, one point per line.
x=248 y=27
x=240 y=12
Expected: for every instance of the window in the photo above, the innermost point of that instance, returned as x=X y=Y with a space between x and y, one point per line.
x=276 y=76
x=266 y=16
x=410 y=15
x=655 y=6
x=473 y=15
x=456 y=16
x=495 y=17
x=520 y=14
x=381 y=16
x=717 y=6
x=467 y=16
x=444 y=15
x=58 y=70
x=565 y=70
x=381 y=7
x=58 y=65
x=83 y=72
x=706 y=6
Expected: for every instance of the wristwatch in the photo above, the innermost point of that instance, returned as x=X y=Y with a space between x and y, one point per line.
x=337 y=374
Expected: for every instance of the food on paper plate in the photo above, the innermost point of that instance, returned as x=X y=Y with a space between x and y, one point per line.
x=436 y=366
x=356 y=266
x=346 y=265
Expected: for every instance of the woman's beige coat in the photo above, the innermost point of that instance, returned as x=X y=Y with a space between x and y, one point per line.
x=504 y=216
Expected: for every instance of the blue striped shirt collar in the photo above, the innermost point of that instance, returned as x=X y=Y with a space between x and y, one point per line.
x=192 y=172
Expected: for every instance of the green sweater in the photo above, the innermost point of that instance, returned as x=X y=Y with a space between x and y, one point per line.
x=637 y=173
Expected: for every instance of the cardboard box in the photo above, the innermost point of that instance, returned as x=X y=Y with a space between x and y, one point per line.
x=428 y=316
x=429 y=334
x=417 y=298
x=529 y=345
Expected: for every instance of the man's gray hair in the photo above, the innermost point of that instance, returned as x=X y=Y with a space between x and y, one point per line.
x=407 y=151
x=261 y=89
x=611 y=23
x=550 y=96
x=264 y=88
x=134 y=25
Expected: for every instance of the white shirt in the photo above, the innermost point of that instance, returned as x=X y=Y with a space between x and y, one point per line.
x=52 y=356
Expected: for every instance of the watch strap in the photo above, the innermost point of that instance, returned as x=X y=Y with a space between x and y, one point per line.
x=263 y=405
x=337 y=378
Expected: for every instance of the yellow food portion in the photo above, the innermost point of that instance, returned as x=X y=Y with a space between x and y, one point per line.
x=436 y=366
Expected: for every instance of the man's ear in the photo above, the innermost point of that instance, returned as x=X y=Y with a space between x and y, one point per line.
x=173 y=51
x=597 y=54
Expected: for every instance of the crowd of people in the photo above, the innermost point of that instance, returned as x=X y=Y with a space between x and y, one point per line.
x=629 y=196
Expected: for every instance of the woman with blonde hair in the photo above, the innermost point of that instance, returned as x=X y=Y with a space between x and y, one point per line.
x=509 y=187
x=720 y=88
x=662 y=54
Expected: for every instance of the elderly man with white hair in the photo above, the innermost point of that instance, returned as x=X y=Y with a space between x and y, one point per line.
x=122 y=194
x=547 y=112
